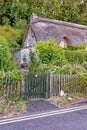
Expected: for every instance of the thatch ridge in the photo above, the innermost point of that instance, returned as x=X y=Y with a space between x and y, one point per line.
x=58 y=22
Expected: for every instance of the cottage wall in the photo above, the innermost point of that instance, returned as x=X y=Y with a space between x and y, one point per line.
x=21 y=54
x=30 y=40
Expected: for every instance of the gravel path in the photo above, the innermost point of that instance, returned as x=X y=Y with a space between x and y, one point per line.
x=40 y=105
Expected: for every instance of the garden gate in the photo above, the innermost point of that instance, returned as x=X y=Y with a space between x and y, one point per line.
x=37 y=85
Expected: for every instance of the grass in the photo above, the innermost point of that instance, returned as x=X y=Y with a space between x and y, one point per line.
x=73 y=95
x=10 y=108
x=62 y=101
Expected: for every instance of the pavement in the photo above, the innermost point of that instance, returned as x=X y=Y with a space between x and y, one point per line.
x=66 y=119
x=38 y=106
x=73 y=118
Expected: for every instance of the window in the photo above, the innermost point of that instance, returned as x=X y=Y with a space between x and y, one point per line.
x=64 y=42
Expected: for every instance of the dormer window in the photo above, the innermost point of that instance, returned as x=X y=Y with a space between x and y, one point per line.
x=64 y=42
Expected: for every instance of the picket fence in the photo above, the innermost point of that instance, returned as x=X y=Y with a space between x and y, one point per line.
x=9 y=89
x=41 y=85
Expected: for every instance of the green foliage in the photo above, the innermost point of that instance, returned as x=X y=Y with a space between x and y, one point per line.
x=16 y=13
x=49 y=56
x=74 y=48
x=77 y=56
x=78 y=83
x=83 y=82
x=15 y=76
x=34 y=62
x=50 y=52
x=11 y=35
x=84 y=64
x=5 y=55
x=39 y=68
x=46 y=57
x=9 y=85
x=6 y=60
x=13 y=11
x=73 y=69
x=82 y=19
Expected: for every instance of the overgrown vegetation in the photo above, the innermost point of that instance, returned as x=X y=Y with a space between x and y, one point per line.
x=68 y=100
x=46 y=57
x=49 y=56
x=11 y=108
x=9 y=75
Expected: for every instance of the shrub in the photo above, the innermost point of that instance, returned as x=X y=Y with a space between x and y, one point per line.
x=10 y=86
x=11 y=35
x=34 y=62
x=6 y=61
x=47 y=56
x=74 y=48
x=76 y=56
x=50 y=52
x=77 y=83
x=72 y=69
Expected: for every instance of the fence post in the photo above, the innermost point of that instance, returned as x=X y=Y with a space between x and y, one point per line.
x=51 y=84
x=48 y=86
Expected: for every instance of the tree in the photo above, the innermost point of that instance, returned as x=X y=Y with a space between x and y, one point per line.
x=6 y=62
x=12 y=11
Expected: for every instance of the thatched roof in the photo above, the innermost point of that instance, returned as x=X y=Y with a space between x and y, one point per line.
x=44 y=29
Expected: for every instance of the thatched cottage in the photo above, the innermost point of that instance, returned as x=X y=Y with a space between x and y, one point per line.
x=64 y=33
x=42 y=29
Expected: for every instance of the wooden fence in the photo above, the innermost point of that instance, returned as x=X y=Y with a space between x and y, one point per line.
x=67 y=83
x=60 y=82
x=42 y=85
x=47 y=85
x=10 y=89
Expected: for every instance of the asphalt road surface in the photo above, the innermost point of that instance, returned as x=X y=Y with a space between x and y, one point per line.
x=68 y=120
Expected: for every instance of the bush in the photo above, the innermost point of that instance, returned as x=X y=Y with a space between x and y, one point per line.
x=76 y=56
x=6 y=61
x=10 y=86
x=47 y=56
x=74 y=48
x=48 y=68
x=50 y=52
x=34 y=62
x=8 y=33
x=12 y=76
x=77 y=83
x=72 y=69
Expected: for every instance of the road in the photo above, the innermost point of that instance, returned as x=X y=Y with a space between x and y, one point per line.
x=65 y=119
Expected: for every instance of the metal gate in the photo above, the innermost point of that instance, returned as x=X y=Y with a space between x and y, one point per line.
x=37 y=85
